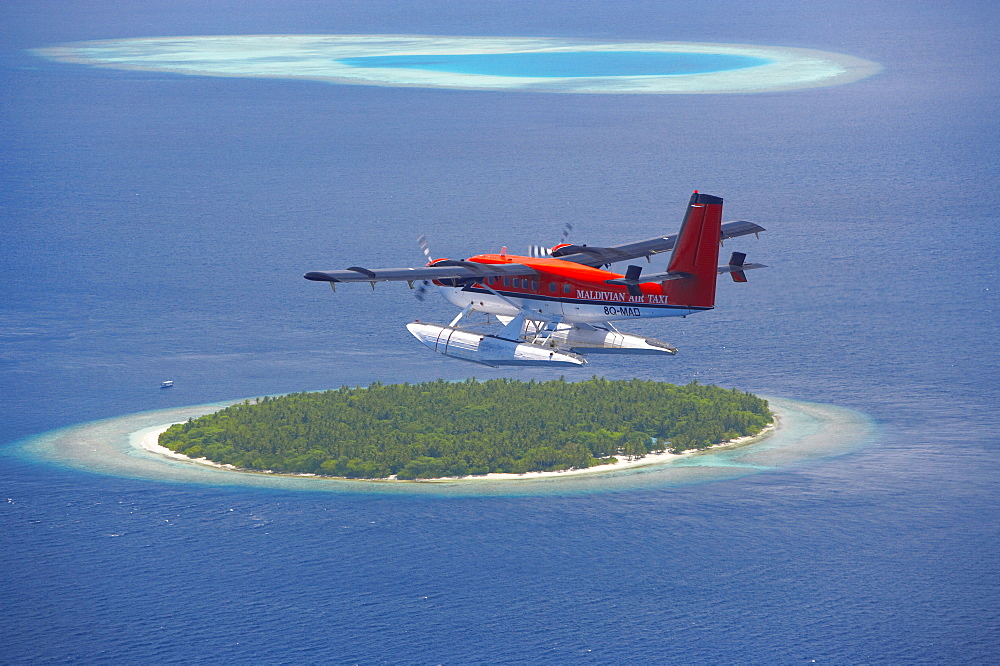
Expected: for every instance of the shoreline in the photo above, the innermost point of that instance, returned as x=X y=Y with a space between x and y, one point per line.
x=806 y=432
x=150 y=443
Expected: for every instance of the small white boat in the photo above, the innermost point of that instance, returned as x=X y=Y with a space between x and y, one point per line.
x=167 y=384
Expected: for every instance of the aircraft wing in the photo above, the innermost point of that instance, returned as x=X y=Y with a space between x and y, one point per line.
x=598 y=256
x=460 y=271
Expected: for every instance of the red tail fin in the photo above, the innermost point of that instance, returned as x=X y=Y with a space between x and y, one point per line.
x=697 y=253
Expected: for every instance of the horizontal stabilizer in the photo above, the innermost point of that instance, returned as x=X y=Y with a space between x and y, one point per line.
x=737 y=264
x=732 y=268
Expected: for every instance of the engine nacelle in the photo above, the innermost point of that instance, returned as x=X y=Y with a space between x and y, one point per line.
x=488 y=349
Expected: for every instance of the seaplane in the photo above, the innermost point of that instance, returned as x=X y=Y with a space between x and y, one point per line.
x=555 y=306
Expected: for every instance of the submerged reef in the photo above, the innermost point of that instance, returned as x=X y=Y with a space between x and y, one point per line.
x=522 y=64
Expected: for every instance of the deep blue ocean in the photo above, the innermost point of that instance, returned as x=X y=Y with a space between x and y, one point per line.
x=156 y=226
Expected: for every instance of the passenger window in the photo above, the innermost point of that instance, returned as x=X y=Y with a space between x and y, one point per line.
x=552 y=287
x=534 y=285
x=566 y=288
x=506 y=282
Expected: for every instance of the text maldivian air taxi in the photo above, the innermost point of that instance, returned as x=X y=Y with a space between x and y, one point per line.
x=558 y=307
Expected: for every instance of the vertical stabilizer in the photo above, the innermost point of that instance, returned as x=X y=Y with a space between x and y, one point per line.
x=696 y=253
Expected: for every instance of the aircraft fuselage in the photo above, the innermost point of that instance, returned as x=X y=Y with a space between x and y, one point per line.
x=562 y=291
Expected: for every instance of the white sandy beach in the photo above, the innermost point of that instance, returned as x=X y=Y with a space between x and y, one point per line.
x=150 y=443
x=128 y=446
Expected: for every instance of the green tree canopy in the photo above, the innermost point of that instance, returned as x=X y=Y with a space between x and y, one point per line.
x=439 y=429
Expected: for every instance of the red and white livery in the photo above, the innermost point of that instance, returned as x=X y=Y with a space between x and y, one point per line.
x=556 y=308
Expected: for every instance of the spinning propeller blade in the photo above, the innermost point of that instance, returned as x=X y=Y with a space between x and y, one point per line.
x=540 y=251
x=421 y=291
x=424 y=285
x=422 y=241
x=567 y=228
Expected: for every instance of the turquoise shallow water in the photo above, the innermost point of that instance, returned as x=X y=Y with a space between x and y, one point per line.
x=807 y=431
x=562 y=64
x=531 y=64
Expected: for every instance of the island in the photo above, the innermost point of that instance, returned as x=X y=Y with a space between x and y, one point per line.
x=445 y=429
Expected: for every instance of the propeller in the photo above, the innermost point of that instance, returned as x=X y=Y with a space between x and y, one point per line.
x=567 y=228
x=423 y=287
x=540 y=251
x=424 y=247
